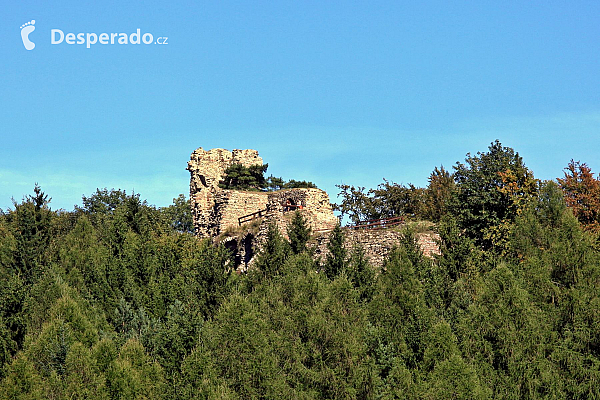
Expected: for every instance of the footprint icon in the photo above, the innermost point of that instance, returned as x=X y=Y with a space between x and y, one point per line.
x=26 y=29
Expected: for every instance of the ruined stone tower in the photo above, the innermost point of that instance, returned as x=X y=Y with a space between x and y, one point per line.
x=215 y=209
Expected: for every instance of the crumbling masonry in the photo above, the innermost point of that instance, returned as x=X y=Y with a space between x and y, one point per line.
x=215 y=210
x=220 y=212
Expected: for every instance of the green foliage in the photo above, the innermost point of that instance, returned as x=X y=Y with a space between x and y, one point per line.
x=438 y=193
x=8 y=346
x=274 y=183
x=299 y=233
x=294 y=184
x=31 y=221
x=386 y=201
x=240 y=177
x=356 y=203
x=179 y=215
x=299 y=336
x=361 y=273
x=114 y=301
x=398 y=307
x=133 y=375
x=491 y=190
x=391 y=199
x=455 y=379
x=457 y=250
x=273 y=254
x=336 y=260
x=104 y=201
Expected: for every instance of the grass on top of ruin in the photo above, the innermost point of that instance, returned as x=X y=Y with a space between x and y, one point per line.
x=235 y=231
x=416 y=226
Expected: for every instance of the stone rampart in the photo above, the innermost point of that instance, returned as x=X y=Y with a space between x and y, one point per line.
x=377 y=244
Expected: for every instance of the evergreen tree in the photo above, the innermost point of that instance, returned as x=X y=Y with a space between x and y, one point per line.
x=31 y=221
x=457 y=250
x=361 y=273
x=274 y=183
x=299 y=233
x=336 y=260
x=294 y=184
x=240 y=177
x=273 y=253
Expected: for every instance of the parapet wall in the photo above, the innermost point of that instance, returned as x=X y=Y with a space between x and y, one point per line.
x=377 y=244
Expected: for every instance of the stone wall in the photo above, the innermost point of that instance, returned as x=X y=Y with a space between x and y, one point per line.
x=214 y=210
x=377 y=244
x=207 y=169
x=312 y=203
x=232 y=204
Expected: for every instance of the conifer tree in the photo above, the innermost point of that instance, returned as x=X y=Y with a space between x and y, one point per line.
x=273 y=253
x=240 y=177
x=299 y=233
x=31 y=221
x=361 y=273
x=336 y=259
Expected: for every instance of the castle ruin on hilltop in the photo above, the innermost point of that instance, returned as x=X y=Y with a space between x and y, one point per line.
x=239 y=218
x=215 y=210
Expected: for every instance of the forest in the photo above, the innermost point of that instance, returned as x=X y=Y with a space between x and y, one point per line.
x=117 y=299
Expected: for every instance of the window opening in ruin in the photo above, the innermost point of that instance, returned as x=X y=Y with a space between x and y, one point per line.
x=290 y=205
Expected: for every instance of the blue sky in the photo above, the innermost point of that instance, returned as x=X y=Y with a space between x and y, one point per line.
x=332 y=92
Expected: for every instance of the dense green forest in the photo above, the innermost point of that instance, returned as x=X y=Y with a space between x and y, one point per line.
x=118 y=300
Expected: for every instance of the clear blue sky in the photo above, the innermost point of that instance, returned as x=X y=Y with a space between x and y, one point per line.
x=328 y=91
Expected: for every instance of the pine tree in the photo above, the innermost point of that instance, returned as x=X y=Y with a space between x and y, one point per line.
x=31 y=221
x=273 y=253
x=361 y=273
x=336 y=259
x=299 y=233
x=240 y=177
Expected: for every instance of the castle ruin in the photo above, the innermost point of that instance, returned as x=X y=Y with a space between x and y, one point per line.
x=215 y=210
x=229 y=214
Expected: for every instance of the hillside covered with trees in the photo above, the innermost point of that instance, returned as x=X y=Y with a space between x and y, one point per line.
x=118 y=300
